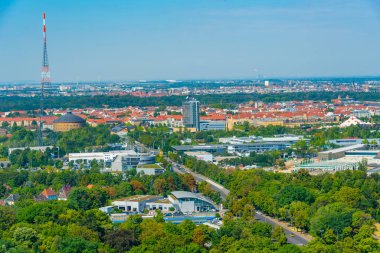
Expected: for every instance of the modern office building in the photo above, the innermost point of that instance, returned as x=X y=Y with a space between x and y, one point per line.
x=120 y=160
x=190 y=202
x=243 y=145
x=191 y=114
x=135 y=203
x=150 y=169
x=182 y=201
x=201 y=155
x=99 y=156
x=350 y=142
x=287 y=139
x=206 y=125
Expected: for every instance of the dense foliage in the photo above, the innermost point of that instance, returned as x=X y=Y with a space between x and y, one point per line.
x=338 y=209
x=30 y=103
x=76 y=225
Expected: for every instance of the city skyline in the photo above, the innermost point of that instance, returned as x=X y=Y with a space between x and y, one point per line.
x=125 y=40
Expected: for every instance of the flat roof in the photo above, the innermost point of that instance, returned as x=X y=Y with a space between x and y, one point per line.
x=190 y=147
x=197 y=153
x=161 y=201
x=149 y=166
x=137 y=198
x=186 y=194
x=343 y=149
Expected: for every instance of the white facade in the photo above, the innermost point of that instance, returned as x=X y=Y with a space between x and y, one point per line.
x=180 y=200
x=201 y=155
x=353 y=121
x=162 y=204
x=257 y=139
x=150 y=171
x=134 y=203
x=100 y=156
x=212 y=125
x=188 y=202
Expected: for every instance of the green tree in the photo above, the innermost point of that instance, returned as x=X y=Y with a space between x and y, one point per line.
x=26 y=236
x=334 y=216
x=299 y=213
x=120 y=240
x=278 y=234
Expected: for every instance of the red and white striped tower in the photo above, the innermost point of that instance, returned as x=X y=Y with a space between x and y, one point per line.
x=45 y=74
x=45 y=77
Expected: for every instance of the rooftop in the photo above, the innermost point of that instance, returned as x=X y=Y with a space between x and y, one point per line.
x=163 y=201
x=138 y=198
x=69 y=118
x=343 y=149
x=149 y=166
x=194 y=153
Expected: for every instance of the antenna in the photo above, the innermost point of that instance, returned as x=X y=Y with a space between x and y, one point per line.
x=45 y=78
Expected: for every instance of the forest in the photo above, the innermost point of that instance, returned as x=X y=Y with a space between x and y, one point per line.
x=224 y=100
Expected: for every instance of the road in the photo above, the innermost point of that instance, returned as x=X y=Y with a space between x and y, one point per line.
x=181 y=169
x=292 y=236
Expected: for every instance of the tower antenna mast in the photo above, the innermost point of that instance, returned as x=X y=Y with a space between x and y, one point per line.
x=45 y=78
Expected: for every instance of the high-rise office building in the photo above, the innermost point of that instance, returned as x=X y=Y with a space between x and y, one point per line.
x=191 y=114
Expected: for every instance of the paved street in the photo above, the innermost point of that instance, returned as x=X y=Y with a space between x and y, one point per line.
x=178 y=168
x=293 y=237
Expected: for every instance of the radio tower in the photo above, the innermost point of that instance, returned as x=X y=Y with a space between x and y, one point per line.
x=45 y=78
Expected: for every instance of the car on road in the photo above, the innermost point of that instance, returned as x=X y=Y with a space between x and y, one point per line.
x=291 y=235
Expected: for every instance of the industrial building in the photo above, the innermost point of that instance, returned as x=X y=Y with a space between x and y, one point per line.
x=328 y=166
x=350 y=142
x=344 y=158
x=338 y=152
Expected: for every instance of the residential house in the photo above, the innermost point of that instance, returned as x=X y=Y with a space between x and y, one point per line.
x=11 y=199
x=46 y=194
x=64 y=192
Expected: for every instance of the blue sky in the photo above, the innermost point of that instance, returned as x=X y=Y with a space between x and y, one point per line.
x=189 y=39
